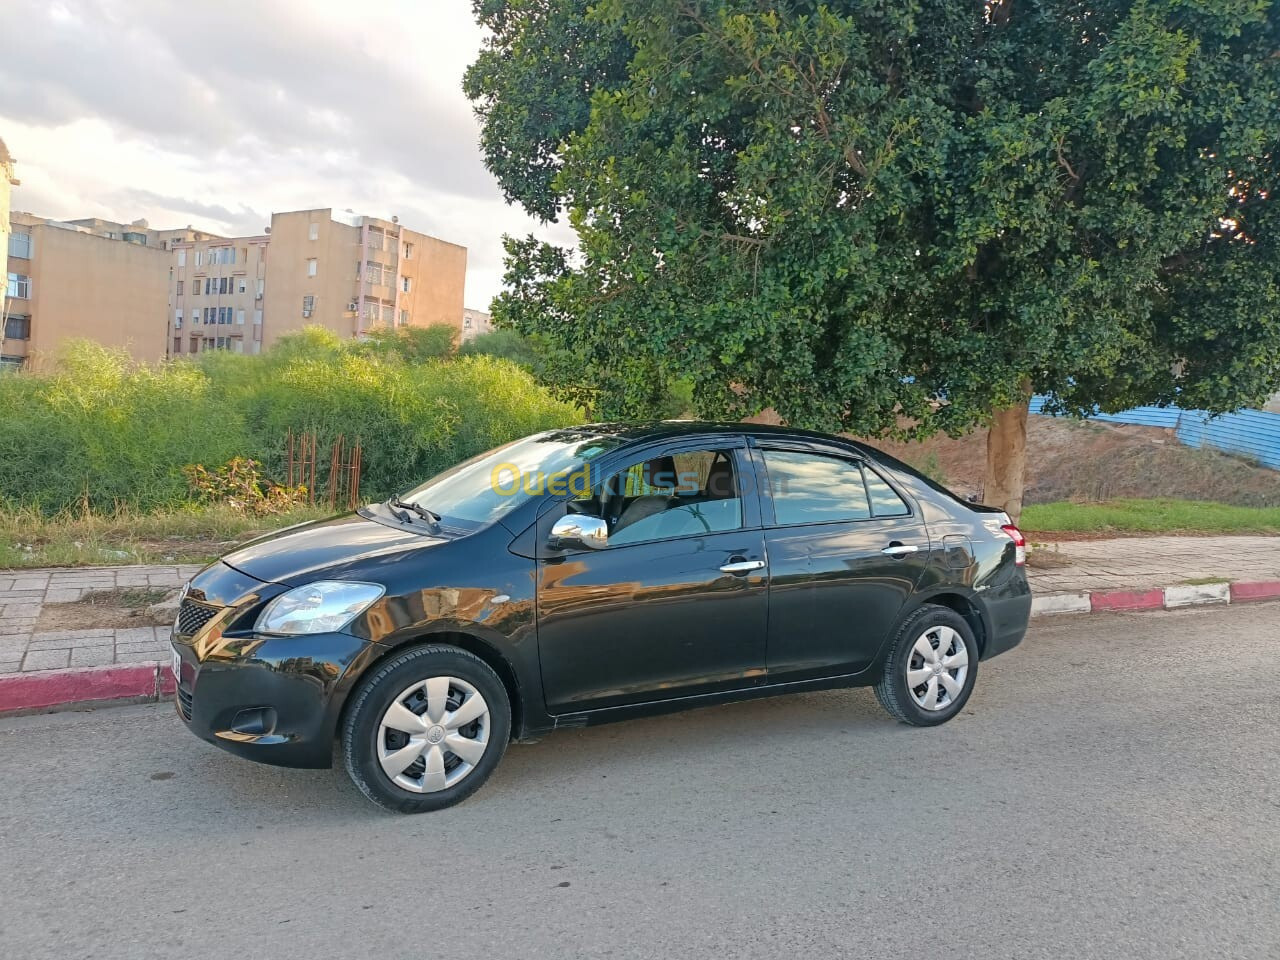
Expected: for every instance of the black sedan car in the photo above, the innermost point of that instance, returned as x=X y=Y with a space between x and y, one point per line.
x=590 y=574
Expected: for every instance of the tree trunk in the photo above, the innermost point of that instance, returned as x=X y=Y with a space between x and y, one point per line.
x=1007 y=456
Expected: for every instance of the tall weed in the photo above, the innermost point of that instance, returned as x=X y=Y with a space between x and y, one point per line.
x=104 y=433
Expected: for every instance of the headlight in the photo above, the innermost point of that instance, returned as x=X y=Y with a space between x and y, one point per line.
x=318 y=607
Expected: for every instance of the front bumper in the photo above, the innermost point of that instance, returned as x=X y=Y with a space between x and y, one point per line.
x=272 y=699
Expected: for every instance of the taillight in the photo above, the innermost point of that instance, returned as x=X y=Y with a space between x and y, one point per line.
x=1019 y=543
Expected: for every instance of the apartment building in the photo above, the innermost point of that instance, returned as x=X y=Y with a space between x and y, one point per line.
x=8 y=179
x=166 y=293
x=94 y=279
x=216 y=294
x=310 y=269
x=475 y=323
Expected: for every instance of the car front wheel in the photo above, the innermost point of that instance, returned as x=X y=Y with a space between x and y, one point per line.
x=426 y=729
x=931 y=667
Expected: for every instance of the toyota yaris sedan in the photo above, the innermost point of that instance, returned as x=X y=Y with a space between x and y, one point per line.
x=590 y=574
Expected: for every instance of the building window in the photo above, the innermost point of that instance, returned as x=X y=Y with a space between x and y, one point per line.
x=406 y=284
x=20 y=245
x=375 y=241
x=408 y=251
x=208 y=285
x=308 y=304
x=261 y=286
x=257 y=318
x=404 y=317
x=195 y=345
x=177 y=344
x=373 y=272
x=177 y=319
x=19 y=286
x=180 y=283
x=17 y=328
x=182 y=258
x=240 y=317
x=311 y=267
x=313 y=232
x=244 y=285
x=199 y=258
x=11 y=363
x=466 y=322
x=388 y=315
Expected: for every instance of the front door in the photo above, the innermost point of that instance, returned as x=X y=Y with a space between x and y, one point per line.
x=676 y=604
x=846 y=550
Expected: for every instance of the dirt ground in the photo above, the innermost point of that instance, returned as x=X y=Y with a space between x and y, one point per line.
x=1071 y=460
x=106 y=609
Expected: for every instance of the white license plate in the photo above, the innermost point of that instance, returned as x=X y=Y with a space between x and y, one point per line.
x=176 y=665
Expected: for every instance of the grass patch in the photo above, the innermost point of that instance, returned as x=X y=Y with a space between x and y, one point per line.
x=1150 y=516
x=192 y=534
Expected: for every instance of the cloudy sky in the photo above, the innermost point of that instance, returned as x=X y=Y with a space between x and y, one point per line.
x=214 y=114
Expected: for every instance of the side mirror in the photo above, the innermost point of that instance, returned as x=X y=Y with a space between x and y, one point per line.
x=579 y=529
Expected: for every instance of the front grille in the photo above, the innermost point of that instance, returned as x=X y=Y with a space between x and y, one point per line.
x=184 y=702
x=192 y=616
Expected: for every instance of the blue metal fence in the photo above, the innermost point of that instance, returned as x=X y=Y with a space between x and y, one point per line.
x=1249 y=433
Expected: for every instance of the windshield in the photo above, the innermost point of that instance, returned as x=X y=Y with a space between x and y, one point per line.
x=486 y=488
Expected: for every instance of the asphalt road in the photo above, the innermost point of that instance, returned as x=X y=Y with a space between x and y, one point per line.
x=1112 y=791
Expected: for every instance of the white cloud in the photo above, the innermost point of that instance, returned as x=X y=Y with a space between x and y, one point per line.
x=217 y=114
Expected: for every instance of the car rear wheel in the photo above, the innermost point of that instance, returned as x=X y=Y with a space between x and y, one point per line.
x=425 y=729
x=931 y=667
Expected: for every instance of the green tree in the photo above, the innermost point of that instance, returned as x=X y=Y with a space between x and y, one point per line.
x=895 y=217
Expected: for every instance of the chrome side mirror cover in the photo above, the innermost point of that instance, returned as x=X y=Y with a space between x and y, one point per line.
x=579 y=529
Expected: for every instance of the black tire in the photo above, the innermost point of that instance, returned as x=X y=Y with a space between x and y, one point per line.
x=891 y=689
x=370 y=701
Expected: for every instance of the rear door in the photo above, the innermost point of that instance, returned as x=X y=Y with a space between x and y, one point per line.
x=846 y=550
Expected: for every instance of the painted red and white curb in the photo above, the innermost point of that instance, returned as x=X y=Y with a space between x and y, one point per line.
x=48 y=689
x=141 y=682
x=1156 y=598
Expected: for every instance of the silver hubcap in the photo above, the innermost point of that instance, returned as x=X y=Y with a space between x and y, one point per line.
x=937 y=668
x=433 y=734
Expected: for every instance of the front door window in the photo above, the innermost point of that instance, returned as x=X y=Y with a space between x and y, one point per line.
x=675 y=495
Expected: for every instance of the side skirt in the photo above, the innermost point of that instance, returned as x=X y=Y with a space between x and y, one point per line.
x=656 y=707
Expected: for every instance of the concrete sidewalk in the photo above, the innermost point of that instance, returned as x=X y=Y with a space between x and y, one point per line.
x=46 y=667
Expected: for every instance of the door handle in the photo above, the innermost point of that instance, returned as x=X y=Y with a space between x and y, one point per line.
x=900 y=549
x=742 y=566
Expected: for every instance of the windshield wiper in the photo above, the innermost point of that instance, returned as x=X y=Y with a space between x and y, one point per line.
x=398 y=507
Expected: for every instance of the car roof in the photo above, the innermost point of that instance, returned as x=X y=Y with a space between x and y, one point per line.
x=631 y=432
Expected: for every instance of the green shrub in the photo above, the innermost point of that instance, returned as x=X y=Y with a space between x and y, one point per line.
x=105 y=433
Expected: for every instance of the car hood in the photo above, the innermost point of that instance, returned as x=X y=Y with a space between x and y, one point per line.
x=297 y=555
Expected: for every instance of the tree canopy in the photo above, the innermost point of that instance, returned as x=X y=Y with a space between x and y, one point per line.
x=866 y=214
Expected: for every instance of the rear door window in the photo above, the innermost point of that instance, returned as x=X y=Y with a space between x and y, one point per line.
x=811 y=488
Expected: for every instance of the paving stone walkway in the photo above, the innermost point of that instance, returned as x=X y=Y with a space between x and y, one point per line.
x=23 y=594
x=1084 y=566
x=1138 y=563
